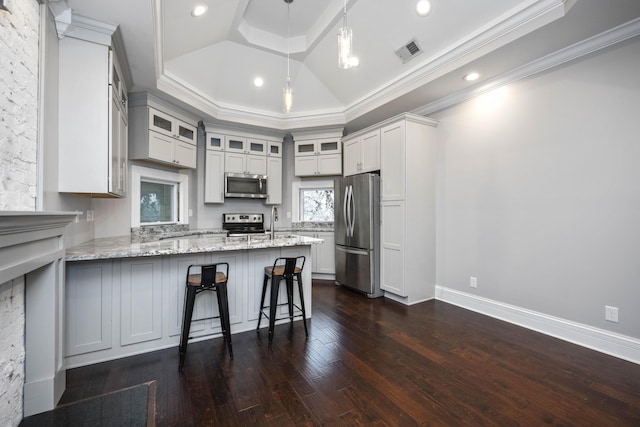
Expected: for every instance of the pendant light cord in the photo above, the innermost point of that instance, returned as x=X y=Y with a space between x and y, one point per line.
x=288 y=49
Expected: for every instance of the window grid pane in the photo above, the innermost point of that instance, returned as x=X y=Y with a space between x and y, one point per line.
x=316 y=204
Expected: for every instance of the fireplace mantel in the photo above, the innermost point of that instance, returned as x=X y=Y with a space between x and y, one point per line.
x=32 y=245
x=30 y=240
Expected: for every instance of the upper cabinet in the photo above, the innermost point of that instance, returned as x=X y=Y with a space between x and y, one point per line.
x=233 y=151
x=362 y=153
x=161 y=133
x=318 y=155
x=93 y=119
x=245 y=155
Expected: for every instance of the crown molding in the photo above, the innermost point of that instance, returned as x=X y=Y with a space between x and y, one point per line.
x=496 y=34
x=585 y=47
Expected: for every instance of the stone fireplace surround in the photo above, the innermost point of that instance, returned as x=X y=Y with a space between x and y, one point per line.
x=32 y=247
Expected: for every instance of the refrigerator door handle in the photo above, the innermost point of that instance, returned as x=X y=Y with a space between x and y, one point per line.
x=352 y=251
x=353 y=212
x=344 y=209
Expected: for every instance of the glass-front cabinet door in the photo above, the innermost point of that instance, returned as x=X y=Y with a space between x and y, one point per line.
x=235 y=144
x=305 y=148
x=328 y=146
x=215 y=141
x=161 y=122
x=274 y=149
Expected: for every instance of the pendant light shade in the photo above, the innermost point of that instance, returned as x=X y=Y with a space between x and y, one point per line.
x=287 y=92
x=345 y=42
x=287 y=96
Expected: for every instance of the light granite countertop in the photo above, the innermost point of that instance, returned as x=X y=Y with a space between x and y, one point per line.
x=195 y=242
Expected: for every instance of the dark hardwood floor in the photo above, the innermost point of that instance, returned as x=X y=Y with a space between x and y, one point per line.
x=375 y=362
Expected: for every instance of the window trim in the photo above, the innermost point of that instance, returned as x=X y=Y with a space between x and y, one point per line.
x=140 y=173
x=307 y=184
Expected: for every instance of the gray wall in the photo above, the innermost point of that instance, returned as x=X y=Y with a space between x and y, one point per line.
x=539 y=193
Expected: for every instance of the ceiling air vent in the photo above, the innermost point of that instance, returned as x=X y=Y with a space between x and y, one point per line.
x=409 y=51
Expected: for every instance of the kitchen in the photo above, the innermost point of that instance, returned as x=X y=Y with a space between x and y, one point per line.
x=484 y=202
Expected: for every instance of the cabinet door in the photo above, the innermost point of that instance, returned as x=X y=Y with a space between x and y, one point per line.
x=160 y=147
x=140 y=300
x=305 y=148
x=185 y=154
x=274 y=180
x=186 y=132
x=123 y=142
x=257 y=147
x=235 y=162
x=235 y=144
x=256 y=165
x=392 y=161
x=115 y=148
x=215 y=141
x=214 y=177
x=161 y=122
x=306 y=165
x=330 y=164
x=392 y=247
x=370 y=152
x=88 y=307
x=352 y=157
x=274 y=149
x=325 y=262
x=328 y=146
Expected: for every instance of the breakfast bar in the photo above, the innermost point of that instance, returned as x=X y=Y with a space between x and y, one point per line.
x=125 y=296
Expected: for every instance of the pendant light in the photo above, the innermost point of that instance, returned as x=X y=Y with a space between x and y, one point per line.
x=345 y=39
x=287 y=92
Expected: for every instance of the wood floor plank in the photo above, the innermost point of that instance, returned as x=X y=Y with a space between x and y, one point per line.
x=374 y=362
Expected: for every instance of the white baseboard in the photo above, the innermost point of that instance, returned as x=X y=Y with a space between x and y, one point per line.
x=621 y=346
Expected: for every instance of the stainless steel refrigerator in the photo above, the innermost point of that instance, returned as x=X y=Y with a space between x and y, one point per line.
x=357 y=233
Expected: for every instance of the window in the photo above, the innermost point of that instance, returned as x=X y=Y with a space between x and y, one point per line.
x=316 y=204
x=312 y=200
x=157 y=202
x=158 y=197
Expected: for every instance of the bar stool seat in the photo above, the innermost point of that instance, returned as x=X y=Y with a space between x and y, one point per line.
x=211 y=277
x=289 y=269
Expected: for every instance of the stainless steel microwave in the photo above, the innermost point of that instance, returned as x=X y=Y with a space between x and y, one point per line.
x=245 y=185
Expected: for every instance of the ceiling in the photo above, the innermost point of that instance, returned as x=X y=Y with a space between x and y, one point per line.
x=207 y=64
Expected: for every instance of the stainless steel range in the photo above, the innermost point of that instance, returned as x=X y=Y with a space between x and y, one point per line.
x=238 y=224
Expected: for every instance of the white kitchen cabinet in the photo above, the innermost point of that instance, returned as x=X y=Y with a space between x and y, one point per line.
x=318 y=157
x=160 y=133
x=323 y=254
x=214 y=177
x=140 y=300
x=88 y=307
x=362 y=153
x=274 y=180
x=408 y=189
x=214 y=168
x=93 y=120
x=245 y=155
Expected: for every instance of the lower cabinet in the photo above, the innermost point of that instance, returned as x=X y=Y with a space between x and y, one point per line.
x=140 y=300
x=120 y=307
x=323 y=254
x=88 y=308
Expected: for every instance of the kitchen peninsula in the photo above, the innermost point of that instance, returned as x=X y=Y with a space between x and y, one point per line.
x=125 y=296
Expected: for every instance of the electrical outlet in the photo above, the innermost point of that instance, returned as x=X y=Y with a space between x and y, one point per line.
x=90 y=216
x=288 y=215
x=473 y=282
x=611 y=313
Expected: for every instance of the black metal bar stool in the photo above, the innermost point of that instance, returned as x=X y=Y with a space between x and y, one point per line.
x=289 y=269
x=211 y=277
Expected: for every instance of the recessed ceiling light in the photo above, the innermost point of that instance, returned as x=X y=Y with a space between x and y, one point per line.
x=423 y=7
x=199 y=10
x=471 y=76
x=258 y=81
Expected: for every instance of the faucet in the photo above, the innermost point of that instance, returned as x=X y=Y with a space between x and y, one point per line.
x=274 y=218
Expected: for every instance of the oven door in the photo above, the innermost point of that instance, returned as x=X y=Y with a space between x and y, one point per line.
x=245 y=186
